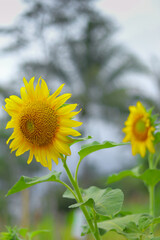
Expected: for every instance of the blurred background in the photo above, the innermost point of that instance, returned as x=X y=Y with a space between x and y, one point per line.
x=107 y=53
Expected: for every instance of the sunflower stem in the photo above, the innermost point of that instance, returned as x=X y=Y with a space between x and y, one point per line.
x=80 y=200
x=69 y=188
x=76 y=173
x=151 y=189
x=95 y=223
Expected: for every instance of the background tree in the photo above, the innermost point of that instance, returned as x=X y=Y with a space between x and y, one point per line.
x=69 y=41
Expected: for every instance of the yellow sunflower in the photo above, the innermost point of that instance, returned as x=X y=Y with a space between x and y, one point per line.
x=139 y=130
x=41 y=122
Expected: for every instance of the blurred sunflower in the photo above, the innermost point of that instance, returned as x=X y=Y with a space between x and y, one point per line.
x=139 y=130
x=41 y=122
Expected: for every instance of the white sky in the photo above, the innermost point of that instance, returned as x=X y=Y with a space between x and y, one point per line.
x=9 y=10
x=138 y=20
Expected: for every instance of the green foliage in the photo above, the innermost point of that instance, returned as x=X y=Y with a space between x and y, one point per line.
x=11 y=234
x=133 y=227
x=117 y=177
x=106 y=202
x=112 y=235
x=150 y=176
x=17 y=234
x=95 y=146
x=26 y=182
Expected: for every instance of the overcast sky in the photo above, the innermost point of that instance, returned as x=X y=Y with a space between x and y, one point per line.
x=139 y=29
x=138 y=21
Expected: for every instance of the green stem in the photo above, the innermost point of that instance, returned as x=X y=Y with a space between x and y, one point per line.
x=76 y=173
x=95 y=224
x=151 y=200
x=80 y=199
x=69 y=188
x=151 y=189
x=156 y=161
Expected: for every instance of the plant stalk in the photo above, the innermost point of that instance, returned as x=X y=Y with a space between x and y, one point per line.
x=151 y=189
x=80 y=200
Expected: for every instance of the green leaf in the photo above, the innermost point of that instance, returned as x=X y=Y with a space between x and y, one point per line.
x=145 y=222
x=76 y=140
x=95 y=146
x=106 y=202
x=26 y=182
x=156 y=220
x=117 y=177
x=112 y=235
x=68 y=194
x=88 y=203
x=34 y=233
x=12 y=233
x=131 y=228
x=120 y=223
x=23 y=232
x=86 y=230
x=151 y=176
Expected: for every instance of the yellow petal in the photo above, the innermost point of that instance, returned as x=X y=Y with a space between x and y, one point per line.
x=56 y=93
x=22 y=149
x=59 y=101
x=30 y=157
x=66 y=109
x=44 y=88
x=69 y=131
x=70 y=123
x=24 y=95
x=29 y=87
x=62 y=147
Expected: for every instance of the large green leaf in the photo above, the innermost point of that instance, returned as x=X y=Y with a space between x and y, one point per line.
x=26 y=182
x=126 y=173
x=119 y=223
x=150 y=176
x=95 y=146
x=106 y=202
x=132 y=226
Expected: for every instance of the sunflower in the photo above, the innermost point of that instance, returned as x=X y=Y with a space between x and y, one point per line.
x=139 y=130
x=41 y=122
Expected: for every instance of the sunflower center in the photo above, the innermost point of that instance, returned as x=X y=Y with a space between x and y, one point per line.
x=38 y=123
x=140 y=129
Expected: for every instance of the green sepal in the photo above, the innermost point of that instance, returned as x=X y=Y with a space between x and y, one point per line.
x=26 y=182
